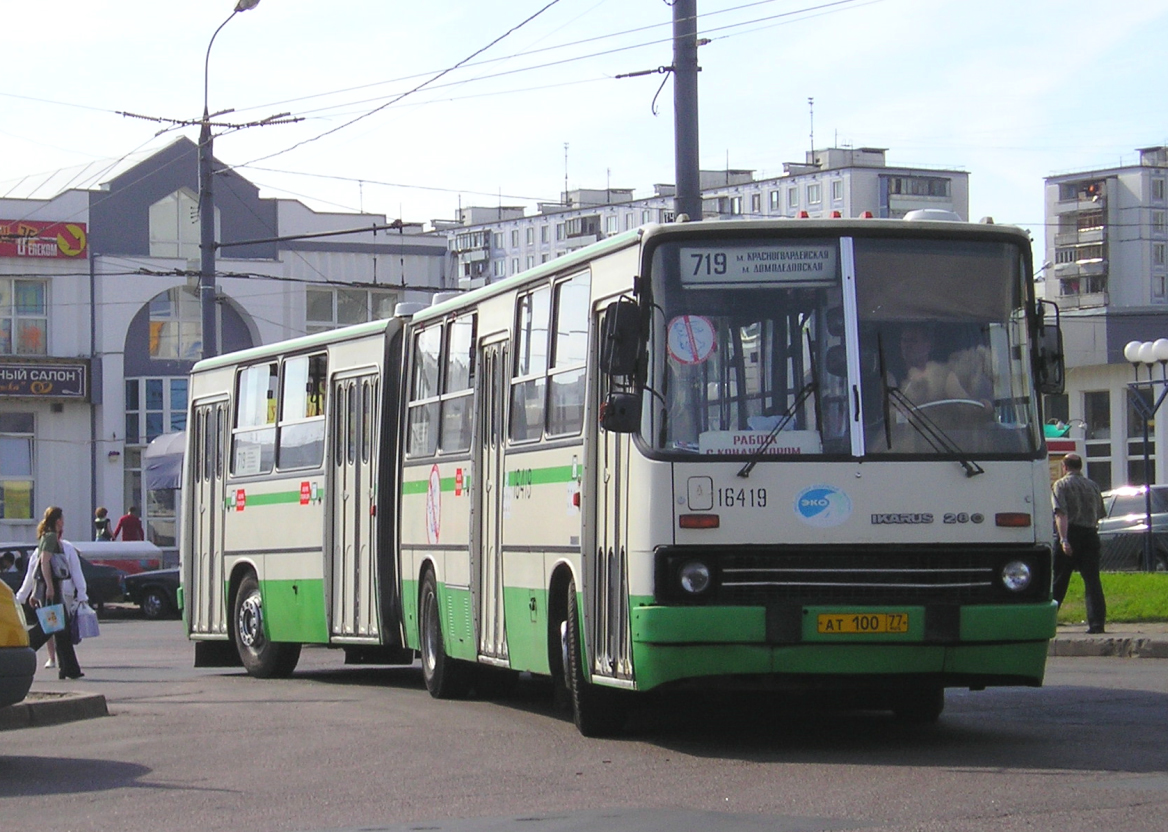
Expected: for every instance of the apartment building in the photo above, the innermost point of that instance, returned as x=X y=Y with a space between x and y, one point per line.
x=488 y=244
x=1105 y=266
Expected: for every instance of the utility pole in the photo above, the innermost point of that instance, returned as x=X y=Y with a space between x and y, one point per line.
x=688 y=199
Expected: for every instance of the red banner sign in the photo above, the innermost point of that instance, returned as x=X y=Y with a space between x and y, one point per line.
x=30 y=238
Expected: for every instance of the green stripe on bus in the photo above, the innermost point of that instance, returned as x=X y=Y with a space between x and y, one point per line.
x=520 y=476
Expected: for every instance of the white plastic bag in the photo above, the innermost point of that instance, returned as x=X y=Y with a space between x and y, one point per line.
x=87 y=622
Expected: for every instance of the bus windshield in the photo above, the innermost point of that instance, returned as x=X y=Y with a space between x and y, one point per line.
x=757 y=351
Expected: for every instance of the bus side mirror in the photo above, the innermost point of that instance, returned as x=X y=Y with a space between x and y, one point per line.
x=621 y=412
x=620 y=338
x=1049 y=360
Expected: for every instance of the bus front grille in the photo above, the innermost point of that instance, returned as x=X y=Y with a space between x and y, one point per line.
x=874 y=575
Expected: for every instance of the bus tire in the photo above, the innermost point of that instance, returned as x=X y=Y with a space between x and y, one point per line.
x=596 y=711
x=445 y=678
x=261 y=658
x=919 y=706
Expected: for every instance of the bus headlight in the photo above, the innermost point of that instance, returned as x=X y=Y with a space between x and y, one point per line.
x=694 y=577
x=1016 y=575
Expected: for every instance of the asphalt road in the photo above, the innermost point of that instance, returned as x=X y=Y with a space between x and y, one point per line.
x=338 y=747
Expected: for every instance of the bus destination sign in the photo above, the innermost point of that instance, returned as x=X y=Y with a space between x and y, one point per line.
x=756 y=265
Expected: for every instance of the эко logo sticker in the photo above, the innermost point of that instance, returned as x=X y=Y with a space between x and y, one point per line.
x=823 y=506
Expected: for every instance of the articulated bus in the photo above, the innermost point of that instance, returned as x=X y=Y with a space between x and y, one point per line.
x=793 y=455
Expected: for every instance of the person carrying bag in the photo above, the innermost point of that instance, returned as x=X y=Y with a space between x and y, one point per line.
x=53 y=578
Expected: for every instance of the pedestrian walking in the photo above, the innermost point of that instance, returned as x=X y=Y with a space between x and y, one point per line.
x=130 y=526
x=101 y=524
x=1078 y=508
x=53 y=577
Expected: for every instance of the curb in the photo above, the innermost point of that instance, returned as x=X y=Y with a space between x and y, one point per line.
x=1125 y=647
x=41 y=708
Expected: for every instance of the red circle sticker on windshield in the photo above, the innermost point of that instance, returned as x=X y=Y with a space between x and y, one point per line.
x=691 y=339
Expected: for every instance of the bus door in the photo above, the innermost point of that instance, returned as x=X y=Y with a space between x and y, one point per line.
x=351 y=542
x=207 y=610
x=487 y=529
x=606 y=588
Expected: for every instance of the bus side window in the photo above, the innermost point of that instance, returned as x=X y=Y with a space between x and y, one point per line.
x=529 y=383
x=458 y=385
x=254 y=439
x=566 y=409
x=301 y=441
x=422 y=419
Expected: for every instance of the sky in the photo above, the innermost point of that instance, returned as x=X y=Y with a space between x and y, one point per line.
x=413 y=109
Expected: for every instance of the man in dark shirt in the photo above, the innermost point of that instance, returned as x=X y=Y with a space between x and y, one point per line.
x=1078 y=508
x=129 y=526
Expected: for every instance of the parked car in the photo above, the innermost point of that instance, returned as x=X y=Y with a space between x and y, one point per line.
x=1123 y=532
x=104 y=583
x=155 y=592
x=17 y=660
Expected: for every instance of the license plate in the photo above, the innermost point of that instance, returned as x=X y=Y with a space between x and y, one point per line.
x=869 y=622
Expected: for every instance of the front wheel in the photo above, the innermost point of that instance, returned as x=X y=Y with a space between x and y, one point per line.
x=445 y=678
x=261 y=658
x=597 y=711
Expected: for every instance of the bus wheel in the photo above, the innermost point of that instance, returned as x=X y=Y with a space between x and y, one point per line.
x=446 y=678
x=597 y=711
x=261 y=658
x=919 y=706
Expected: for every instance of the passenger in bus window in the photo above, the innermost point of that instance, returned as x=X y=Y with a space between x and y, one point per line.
x=925 y=379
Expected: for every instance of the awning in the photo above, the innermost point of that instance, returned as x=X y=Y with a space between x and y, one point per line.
x=162 y=462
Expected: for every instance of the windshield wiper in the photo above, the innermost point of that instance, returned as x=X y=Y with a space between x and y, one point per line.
x=922 y=424
x=788 y=415
x=926 y=427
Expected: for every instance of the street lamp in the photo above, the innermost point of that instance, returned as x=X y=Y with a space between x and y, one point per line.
x=1147 y=353
x=207 y=201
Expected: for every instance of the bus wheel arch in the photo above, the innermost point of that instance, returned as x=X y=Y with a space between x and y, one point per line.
x=262 y=658
x=557 y=642
x=445 y=677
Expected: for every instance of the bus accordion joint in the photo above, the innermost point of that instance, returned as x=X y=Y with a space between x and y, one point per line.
x=1014 y=519
x=698 y=521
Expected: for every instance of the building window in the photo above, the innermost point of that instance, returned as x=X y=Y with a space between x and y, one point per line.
x=530 y=236
x=628 y=221
x=1136 y=452
x=154 y=406
x=792 y=197
x=176 y=325
x=1097 y=414
x=1159 y=222
x=646 y=217
x=837 y=190
x=1089 y=221
x=174 y=226
x=1157 y=254
x=1158 y=286
x=611 y=224
x=814 y=194
x=530 y=261
x=776 y=201
x=498 y=239
x=756 y=203
x=331 y=308
x=544 y=234
x=1158 y=190
x=24 y=317
x=499 y=268
x=918 y=186
x=514 y=265
x=16 y=481
x=559 y=231
x=514 y=238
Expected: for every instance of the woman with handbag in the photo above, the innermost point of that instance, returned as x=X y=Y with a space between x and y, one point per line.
x=50 y=576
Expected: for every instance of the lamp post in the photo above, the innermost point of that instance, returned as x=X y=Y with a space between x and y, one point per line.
x=207 y=201
x=1147 y=353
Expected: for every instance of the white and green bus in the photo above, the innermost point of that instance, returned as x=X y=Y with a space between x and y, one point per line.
x=798 y=454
